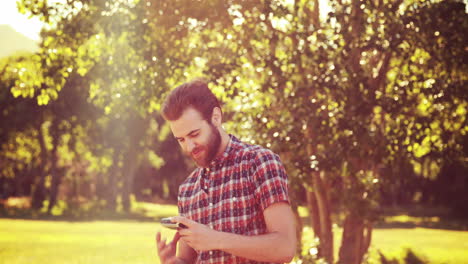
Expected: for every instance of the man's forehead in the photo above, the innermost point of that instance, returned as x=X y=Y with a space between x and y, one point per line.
x=191 y=113
x=189 y=121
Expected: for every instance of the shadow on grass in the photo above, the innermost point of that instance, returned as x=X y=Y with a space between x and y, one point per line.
x=418 y=216
x=413 y=217
x=446 y=224
x=150 y=212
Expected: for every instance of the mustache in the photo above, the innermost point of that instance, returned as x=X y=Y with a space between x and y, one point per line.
x=195 y=150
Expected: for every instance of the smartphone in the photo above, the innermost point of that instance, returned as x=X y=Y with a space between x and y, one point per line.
x=169 y=224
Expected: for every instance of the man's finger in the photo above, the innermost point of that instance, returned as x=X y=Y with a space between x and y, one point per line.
x=172 y=260
x=158 y=241
x=176 y=238
x=184 y=232
x=165 y=251
x=180 y=219
x=187 y=241
x=161 y=245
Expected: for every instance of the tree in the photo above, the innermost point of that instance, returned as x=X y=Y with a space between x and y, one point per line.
x=352 y=99
x=120 y=63
x=344 y=98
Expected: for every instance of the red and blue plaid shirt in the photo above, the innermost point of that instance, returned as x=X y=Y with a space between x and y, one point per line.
x=231 y=194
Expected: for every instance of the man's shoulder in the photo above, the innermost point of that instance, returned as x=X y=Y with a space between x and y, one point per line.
x=255 y=152
x=191 y=179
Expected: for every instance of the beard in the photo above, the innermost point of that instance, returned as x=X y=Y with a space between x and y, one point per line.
x=211 y=148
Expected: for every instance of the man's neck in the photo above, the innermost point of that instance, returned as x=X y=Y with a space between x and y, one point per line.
x=224 y=142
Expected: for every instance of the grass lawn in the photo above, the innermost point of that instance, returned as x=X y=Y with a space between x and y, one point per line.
x=59 y=242
x=437 y=246
x=63 y=242
x=433 y=245
x=114 y=242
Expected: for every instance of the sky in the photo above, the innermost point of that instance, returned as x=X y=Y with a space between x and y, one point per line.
x=30 y=27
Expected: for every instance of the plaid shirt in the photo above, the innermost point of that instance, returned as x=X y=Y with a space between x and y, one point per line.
x=232 y=193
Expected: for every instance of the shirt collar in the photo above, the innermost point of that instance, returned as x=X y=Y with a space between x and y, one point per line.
x=231 y=146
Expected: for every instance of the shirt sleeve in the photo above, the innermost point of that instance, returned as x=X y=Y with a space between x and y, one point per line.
x=271 y=180
x=180 y=206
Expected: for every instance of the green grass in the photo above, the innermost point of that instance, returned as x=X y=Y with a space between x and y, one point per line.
x=83 y=242
x=436 y=245
x=58 y=242
x=126 y=241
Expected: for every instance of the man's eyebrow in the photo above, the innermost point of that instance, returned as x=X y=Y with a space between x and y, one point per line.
x=190 y=133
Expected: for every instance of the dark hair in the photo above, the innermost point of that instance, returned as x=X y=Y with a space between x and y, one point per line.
x=194 y=94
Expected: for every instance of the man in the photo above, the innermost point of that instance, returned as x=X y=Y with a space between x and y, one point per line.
x=235 y=204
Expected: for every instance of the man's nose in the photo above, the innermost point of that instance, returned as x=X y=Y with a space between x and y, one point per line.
x=190 y=145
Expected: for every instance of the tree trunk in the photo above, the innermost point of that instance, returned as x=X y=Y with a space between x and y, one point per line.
x=112 y=186
x=56 y=180
x=320 y=215
x=324 y=213
x=366 y=239
x=55 y=173
x=57 y=176
x=39 y=192
x=316 y=14
x=356 y=240
x=299 y=227
x=319 y=207
x=100 y=187
x=128 y=177
x=314 y=214
x=111 y=194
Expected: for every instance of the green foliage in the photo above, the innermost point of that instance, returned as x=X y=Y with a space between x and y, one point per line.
x=362 y=94
x=372 y=95
x=100 y=72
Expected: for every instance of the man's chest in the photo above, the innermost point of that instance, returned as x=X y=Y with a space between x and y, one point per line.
x=224 y=200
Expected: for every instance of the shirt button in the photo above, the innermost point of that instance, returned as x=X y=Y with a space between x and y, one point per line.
x=234 y=199
x=211 y=252
x=208 y=169
x=211 y=204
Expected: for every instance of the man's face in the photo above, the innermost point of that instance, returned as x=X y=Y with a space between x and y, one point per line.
x=198 y=138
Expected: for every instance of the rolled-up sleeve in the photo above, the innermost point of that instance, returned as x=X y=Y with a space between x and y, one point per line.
x=271 y=180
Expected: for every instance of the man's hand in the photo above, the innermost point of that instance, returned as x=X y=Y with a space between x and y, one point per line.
x=167 y=252
x=197 y=236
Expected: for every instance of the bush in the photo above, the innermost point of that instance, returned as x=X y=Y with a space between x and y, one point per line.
x=409 y=258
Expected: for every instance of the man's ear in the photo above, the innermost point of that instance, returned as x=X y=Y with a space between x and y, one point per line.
x=217 y=117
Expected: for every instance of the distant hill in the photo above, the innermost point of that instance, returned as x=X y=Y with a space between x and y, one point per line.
x=11 y=42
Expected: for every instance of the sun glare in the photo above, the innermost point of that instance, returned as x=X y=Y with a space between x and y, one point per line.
x=30 y=27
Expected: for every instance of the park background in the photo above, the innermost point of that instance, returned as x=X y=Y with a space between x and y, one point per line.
x=364 y=101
